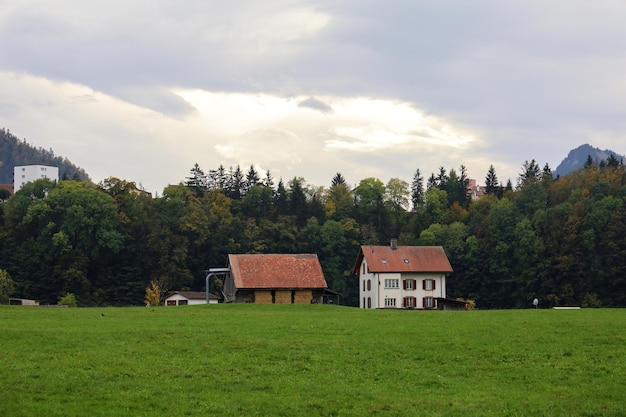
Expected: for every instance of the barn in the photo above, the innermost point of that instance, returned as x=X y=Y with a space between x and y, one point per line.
x=274 y=279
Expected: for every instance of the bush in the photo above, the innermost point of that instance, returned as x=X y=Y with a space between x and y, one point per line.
x=7 y=286
x=68 y=299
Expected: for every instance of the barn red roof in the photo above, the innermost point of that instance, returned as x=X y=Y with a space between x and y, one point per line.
x=403 y=259
x=276 y=271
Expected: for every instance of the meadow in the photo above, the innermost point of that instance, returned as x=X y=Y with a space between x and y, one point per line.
x=310 y=360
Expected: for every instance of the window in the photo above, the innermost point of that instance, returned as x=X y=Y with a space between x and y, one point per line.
x=390 y=302
x=409 y=302
x=363 y=268
x=369 y=285
x=429 y=302
x=428 y=284
x=408 y=284
x=182 y=302
x=364 y=285
x=392 y=283
x=369 y=302
x=171 y=302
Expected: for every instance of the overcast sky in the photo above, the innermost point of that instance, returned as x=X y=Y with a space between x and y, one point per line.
x=143 y=89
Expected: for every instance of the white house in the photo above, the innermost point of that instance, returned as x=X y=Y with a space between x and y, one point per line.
x=183 y=298
x=401 y=276
x=27 y=173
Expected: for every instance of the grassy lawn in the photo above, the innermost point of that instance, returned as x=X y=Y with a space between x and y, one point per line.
x=310 y=360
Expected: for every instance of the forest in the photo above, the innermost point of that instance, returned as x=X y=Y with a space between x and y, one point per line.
x=561 y=240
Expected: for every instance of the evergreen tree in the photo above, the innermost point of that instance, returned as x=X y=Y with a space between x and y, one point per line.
x=269 y=180
x=417 y=190
x=252 y=179
x=280 y=199
x=442 y=178
x=491 y=181
x=530 y=173
x=337 y=179
x=197 y=181
x=432 y=181
x=236 y=183
x=612 y=161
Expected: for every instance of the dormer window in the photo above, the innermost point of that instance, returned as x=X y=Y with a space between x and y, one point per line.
x=406 y=261
x=384 y=261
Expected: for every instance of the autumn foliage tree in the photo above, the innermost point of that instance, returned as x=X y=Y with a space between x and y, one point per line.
x=560 y=240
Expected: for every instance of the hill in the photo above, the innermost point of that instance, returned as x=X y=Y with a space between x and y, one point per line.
x=14 y=151
x=577 y=158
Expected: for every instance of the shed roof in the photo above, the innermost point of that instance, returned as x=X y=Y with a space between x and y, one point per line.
x=194 y=295
x=277 y=271
x=403 y=259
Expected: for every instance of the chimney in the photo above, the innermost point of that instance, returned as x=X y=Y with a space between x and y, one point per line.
x=394 y=244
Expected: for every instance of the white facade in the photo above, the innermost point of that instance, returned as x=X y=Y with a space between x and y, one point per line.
x=400 y=289
x=27 y=173
x=178 y=299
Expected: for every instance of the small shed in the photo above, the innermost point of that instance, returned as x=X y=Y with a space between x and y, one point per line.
x=450 y=304
x=183 y=298
x=23 y=302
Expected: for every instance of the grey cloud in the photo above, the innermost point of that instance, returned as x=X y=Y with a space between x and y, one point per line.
x=157 y=99
x=535 y=78
x=315 y=104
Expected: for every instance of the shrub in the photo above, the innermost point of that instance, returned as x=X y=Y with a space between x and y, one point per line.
x=68 y=299
x=7 y=286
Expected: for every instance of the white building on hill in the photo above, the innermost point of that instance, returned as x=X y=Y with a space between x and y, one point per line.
x=27 y=173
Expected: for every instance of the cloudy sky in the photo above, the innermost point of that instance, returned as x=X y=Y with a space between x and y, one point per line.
x=143 y=89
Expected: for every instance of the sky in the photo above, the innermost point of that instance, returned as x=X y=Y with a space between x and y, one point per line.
x=143 y=89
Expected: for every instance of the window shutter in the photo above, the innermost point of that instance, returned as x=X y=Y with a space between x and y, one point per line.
x=434 y=302
x=434 y=284
x=414 y=284
x=404 y=284
x=424 y=302
x=423 y=284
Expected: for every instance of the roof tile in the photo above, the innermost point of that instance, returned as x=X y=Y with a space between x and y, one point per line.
x=277 y=271
x=404 y=259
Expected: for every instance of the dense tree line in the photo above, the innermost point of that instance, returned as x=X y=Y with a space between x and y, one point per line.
x=559 y=240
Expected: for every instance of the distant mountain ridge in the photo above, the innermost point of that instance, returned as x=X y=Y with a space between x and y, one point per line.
x=14 y=151
x=577 y=157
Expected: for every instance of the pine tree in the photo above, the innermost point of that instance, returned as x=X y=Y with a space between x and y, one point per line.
x=252 y=179
x=337 y=179
x=432 y=182
x=197 y=181
x=530 y=173
x=417 y=189
x=491 y=181
x=269 y=180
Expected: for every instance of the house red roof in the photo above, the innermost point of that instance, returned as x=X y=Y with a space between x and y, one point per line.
x=403 y=259
x=276 y=271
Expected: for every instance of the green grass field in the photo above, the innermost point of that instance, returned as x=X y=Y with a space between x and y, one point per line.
x=310 y=360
